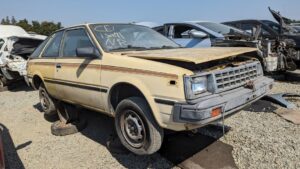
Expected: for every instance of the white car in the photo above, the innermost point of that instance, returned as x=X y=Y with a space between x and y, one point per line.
x=15 y=47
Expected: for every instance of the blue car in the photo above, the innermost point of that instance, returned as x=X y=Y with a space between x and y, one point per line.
x=195 y=34
x=198 y=34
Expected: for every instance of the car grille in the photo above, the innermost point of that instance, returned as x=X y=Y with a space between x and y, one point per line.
x=236 y=76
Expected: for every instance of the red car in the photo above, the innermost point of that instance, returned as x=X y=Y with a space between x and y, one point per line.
x=2 y=165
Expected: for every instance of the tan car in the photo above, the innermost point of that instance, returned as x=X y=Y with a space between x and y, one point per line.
x=144 y=80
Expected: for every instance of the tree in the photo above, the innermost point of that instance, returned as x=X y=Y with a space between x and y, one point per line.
x=24 y=24
x=36 y=26
x=13 y=20
x=7 y=21
x=3 y=21
x=44 y=28
x=48 y=27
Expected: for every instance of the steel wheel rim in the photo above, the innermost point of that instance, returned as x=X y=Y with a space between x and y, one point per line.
x=133 y=129
x=44 y=100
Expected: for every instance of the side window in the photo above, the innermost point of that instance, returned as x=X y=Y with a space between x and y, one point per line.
x=52 y=49
x=39 y=49
x=248 y=28
x=182 y=31
x=74 y=39
x=264 y=32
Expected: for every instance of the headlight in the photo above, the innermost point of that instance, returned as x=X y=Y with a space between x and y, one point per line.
x=195 y=86
x=199 y=85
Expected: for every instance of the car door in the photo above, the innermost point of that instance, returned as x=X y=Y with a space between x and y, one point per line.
x=180 y=34
x=78 y=76
x=47 y=61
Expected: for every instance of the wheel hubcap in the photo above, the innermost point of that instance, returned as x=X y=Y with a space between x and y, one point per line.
x=133 y=129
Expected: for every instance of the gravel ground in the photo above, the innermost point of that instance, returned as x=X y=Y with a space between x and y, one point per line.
x=259 y=139
x=37 y=148
x=263 y=139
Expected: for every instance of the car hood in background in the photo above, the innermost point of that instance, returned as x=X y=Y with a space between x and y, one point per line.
x=195 y=55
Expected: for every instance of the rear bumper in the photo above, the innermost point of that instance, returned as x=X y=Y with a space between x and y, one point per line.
x=231 y=102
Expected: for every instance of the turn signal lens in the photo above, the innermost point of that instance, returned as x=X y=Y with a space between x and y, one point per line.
x=216 y=112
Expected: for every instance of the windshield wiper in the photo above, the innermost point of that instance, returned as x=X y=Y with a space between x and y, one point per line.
x=130 y=47
x=165 y=47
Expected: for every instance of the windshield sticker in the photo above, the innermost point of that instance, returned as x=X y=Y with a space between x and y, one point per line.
x=113 y=39
x=104 y=28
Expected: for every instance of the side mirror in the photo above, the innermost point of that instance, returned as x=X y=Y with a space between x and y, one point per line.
x=198 y=34
x=90 y=52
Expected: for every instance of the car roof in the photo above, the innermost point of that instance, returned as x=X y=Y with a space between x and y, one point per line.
x=87 y=24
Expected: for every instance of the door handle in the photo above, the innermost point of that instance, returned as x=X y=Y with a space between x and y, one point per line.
x=58 y=65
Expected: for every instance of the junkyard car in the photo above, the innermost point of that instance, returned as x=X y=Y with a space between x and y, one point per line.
x=143 y=79
x=273 y=56
x=15 y=47
x=2 y=160
x=277 y=33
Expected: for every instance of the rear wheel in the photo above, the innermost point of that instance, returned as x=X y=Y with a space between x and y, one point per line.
x=69 y=121
x=47 y=103
x=3 y=82
x=136 y=127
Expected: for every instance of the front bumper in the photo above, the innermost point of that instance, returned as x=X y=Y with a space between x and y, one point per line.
x=200 y=111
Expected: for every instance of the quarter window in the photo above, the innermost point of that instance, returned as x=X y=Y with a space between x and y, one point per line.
x=52 y=49
x=39 y=49
x=74 y=39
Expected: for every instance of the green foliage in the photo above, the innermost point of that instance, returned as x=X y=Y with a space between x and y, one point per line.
x=44 y=28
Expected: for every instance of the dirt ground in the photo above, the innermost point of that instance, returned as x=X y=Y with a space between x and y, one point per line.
x=258 y=139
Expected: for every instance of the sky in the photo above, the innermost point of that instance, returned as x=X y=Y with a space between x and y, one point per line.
x=74 y=12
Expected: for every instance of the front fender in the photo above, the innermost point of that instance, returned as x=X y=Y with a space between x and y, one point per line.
x=143 y=89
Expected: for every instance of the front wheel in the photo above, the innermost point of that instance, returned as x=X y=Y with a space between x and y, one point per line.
x=136 y=127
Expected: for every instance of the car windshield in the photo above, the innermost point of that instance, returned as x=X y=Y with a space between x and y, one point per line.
x=276 y=27
x=297 y=28
x=272 y=25
x=119 y=37
x=220 y=28
x=1 y=43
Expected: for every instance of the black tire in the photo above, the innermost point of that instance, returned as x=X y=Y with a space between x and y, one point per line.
x=3 y=82
x=62 y=129
x=47 y=103
x=140 y=133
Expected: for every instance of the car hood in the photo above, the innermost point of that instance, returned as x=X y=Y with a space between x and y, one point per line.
x=283 y=21
x=277 y=16
x=195 y=55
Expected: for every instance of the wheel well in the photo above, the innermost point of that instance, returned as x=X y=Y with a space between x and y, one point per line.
x=36 y=82
x=122 y=91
